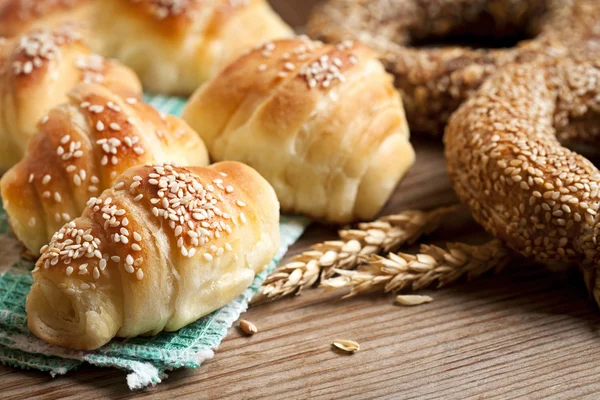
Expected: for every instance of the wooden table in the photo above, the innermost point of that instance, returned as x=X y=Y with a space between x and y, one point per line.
x=527 y=333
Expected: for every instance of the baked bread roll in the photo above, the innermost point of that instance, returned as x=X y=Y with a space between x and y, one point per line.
x=36 y=72
x=82 y=147
x=324 y=125
x=162 y=248
x=20 y=16
x=175 y=46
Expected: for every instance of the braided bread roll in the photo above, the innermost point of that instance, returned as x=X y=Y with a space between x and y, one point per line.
x=162 y=248
x=176 y=46
x=36 y=72
x=82 y=147
x=324 y=125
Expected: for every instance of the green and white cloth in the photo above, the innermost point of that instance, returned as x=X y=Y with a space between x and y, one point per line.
x=146 y=359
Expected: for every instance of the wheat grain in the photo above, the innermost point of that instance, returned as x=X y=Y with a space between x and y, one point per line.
x=248 y=327
x=412 y=299
x=355 y=247
x=349 y=346
x=433 y=264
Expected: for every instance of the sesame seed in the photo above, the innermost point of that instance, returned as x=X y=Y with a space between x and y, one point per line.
x=139 y=274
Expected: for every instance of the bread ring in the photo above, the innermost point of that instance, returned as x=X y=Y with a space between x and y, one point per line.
x=506 y=162
x=435 y=81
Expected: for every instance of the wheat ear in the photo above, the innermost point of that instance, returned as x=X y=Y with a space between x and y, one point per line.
x=432 y=265
x=355 y=247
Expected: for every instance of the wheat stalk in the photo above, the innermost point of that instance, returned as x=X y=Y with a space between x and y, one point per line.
x=433 y=264
x=355 y=247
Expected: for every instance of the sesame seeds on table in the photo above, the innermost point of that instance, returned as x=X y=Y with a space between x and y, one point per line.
x=193 y=211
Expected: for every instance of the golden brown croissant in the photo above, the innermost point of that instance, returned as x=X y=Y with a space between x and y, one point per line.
x=82 y=147
x=163 y=247
x=174 y=46
x=36 y=72
x=324 y=125
x=20 y=16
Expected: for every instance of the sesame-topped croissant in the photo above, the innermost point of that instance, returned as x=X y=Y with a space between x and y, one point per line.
x=163 y=247
x=20 y=16
x=81 y=148
x=173 y=45
x=323 y=124
x=36 y=72
x=176 y=45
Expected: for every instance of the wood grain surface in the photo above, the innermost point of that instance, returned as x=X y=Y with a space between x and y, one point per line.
x=528 y=333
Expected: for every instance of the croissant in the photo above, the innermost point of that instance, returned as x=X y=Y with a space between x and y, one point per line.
x=163 y=247
x=324 y=125
x=80 y=150
x=174 y=46
x=20 y=16
x=36 y=72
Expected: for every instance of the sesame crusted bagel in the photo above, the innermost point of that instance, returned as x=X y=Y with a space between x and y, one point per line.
x=434 y=81
x=506 y=162
x=323 y=124
x=163 y=247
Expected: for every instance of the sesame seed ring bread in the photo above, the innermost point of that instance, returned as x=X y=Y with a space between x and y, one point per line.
x=434 y=81
x=506 y=162
x=323 y=124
